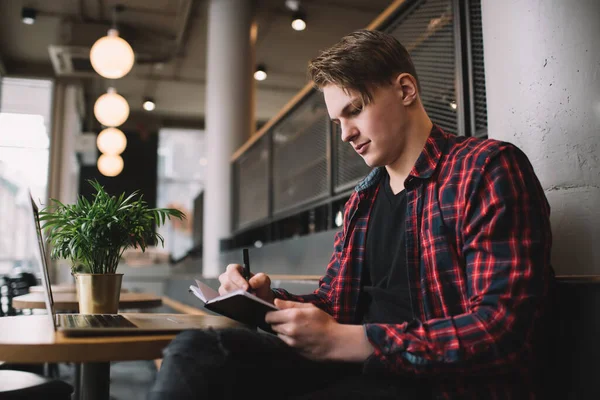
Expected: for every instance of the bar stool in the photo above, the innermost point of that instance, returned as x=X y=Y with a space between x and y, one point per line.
x=17 y=385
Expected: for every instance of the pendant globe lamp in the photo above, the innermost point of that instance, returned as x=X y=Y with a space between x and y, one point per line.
x=111 y=109
x=111 y=141
x=110 y=165
x=111 y=56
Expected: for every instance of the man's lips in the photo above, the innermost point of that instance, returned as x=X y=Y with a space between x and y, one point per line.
x=361 y=147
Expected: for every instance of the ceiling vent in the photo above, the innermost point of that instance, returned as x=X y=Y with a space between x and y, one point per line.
x=71 y=61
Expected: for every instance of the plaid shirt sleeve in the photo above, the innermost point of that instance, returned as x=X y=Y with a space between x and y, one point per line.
x=506 y=251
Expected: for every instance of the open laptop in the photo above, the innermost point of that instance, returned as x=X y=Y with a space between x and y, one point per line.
x=112 y=324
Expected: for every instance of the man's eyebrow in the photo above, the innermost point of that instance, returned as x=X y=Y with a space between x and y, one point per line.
x=345 y=109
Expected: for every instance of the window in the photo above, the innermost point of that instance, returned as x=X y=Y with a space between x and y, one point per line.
x=181 y=166
x=25 y=107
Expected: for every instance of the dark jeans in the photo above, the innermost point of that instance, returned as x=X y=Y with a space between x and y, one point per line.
x=233 y=362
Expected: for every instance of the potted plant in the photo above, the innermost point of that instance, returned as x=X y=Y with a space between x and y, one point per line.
x=94 y=234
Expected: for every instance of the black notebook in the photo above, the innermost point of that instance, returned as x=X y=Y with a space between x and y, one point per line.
x=239 y=305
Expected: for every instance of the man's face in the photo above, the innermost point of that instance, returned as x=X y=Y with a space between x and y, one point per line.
x=375 y=131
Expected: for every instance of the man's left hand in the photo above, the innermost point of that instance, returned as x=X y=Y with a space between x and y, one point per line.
x=316 y=334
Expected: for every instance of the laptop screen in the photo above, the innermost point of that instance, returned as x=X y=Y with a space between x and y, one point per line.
x=41 y=256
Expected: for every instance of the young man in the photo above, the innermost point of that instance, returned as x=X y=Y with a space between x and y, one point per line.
x=439 y=279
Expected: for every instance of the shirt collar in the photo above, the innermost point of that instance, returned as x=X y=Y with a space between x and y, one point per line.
x=426 y=164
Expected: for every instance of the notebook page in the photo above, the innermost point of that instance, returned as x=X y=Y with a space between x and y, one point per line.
x=203 y=291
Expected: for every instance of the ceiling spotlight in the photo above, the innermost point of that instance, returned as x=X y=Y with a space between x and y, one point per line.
x=261 y=73
x=299 y=20
x=293 y=5
x=149 y=104
x=28 y=15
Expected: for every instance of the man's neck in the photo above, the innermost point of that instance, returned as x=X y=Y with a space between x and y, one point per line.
x=415 y=141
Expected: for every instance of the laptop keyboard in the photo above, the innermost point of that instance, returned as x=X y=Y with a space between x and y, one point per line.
x=97 y=321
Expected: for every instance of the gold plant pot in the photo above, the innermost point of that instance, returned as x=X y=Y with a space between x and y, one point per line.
x=98 y=293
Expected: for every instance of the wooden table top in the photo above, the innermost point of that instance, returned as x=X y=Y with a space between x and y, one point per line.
x=60 y=288
x=68 y=301
x=32 y=339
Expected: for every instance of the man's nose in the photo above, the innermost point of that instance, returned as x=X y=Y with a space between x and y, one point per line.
x=349 y=132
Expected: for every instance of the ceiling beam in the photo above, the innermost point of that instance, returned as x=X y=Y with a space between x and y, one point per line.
x=139 y=119
x=42 y=70
x=195 y=81
x=28 y=69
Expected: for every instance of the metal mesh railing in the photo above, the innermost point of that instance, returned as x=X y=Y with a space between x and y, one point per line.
x=427 y=32
x=300 y=156
x=349 y=167
x=252 y=180
x=479 y=100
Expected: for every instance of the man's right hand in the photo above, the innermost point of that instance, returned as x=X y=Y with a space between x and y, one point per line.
x=233 y=279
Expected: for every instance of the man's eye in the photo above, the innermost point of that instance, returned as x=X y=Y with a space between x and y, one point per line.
x=356 y=111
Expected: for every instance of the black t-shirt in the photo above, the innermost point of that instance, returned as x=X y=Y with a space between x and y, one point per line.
x=386 y=297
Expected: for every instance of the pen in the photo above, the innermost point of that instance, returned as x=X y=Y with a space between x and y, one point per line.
x=246 y=265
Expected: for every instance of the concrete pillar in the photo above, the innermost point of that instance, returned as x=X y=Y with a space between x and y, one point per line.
x=542 y=66
x=71 y=129
x=64 y=167
x=228 y=116
x=56 y=161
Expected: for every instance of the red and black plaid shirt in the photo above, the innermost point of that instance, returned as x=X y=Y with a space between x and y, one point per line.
x=478 y=244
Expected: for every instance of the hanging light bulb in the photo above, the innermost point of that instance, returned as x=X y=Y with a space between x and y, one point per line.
x=111 y=56
x=111 y=109
x=110 y=165
x=111 y=141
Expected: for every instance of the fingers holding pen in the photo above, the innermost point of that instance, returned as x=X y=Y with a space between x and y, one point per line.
x=232 y=279
x=261 y=286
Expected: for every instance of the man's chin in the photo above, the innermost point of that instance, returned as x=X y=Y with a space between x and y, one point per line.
x=372 y=162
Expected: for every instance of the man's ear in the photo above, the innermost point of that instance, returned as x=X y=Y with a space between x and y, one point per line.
x=407 y=85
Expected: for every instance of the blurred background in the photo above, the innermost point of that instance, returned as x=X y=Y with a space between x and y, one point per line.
x=214 y=115
x=205 y=106
x=49 y=88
